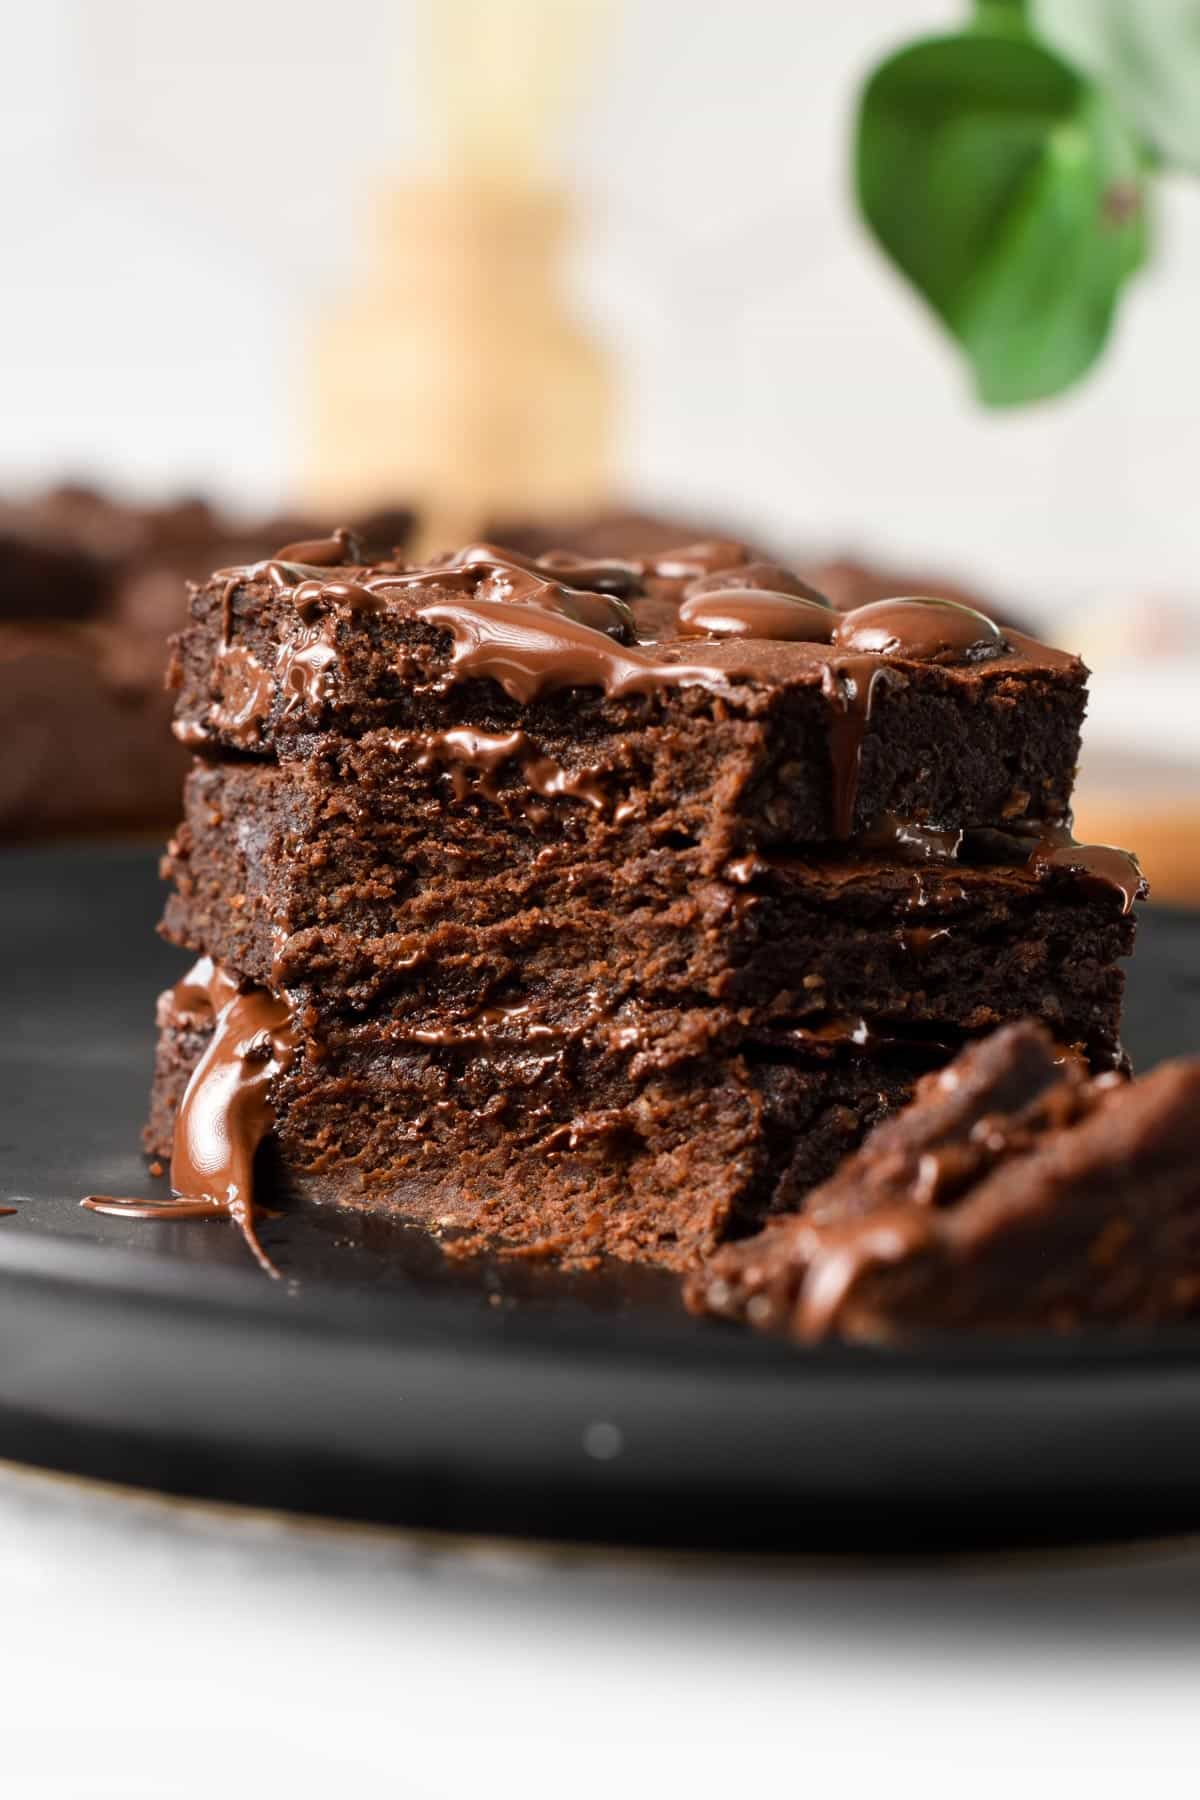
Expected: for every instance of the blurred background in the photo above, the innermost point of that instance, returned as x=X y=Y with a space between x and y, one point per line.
x=492 y=260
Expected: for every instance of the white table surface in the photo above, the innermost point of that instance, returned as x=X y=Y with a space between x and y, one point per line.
x=152 y=1649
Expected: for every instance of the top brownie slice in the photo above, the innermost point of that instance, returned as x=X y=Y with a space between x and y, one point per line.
x=604 y=683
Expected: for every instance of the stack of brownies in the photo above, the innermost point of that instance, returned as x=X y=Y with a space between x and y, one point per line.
x=601 y=907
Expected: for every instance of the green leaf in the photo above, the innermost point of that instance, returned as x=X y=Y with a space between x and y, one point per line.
x=1147 y=53
x=1010 y=192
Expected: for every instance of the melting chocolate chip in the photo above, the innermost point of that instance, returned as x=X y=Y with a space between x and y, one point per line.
x=758 y=613
x=699 y=559
x=604 y=575
x=773 y=577
x=920 y=628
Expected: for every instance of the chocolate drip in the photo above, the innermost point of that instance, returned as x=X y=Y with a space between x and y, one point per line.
x=840 y=1255
x=314 y=596
x=531 y=651
x=920 y=629
x=488 y=574
x=200 y=995
x=848 y=685
x=1102 y=865
x=490 y=1025
x=233 y=579
x=305 y=668
x=245 y=696
x=484 y=754
x=914 y=842
x=226 y=1109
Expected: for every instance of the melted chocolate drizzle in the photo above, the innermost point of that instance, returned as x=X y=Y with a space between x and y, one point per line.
x=306 y=668
x=467 y=753
x=849 y=685
x=840 y=1254
x=1101 y=865
x=226 y=1109
x=245 y=695
x=533 y=650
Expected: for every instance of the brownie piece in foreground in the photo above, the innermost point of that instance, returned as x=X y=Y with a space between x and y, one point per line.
x=1016 y=1191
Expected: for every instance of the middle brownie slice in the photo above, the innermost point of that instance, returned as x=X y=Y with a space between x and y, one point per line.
x=363 y=908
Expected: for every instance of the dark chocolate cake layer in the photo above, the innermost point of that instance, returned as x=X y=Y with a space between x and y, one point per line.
x=433 y=913
x=1014 y=1192
x=655 y=1148
x=711 y=698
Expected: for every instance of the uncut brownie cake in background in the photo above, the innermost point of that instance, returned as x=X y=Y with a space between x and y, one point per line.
x=90 y=590
x=600 y=907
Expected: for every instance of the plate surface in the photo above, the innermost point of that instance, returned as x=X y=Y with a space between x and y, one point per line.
x=381 y=1382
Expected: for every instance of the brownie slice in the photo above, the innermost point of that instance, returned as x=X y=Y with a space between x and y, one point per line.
x=90 y=590
x=434 y=911
x=1014 y=1192
x=42 y=579
x=87 y=730
x=651 y=1142
x=655 y=701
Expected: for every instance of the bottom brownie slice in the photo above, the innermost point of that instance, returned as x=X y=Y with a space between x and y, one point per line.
x=654 y=1144
x=1015 y=1191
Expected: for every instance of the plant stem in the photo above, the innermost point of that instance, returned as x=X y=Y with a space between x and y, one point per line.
x=1001 y=16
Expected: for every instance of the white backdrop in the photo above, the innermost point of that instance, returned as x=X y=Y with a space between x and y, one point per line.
x=180 y=185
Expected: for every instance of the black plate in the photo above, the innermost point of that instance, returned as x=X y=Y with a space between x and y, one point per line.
x=382 y=1382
